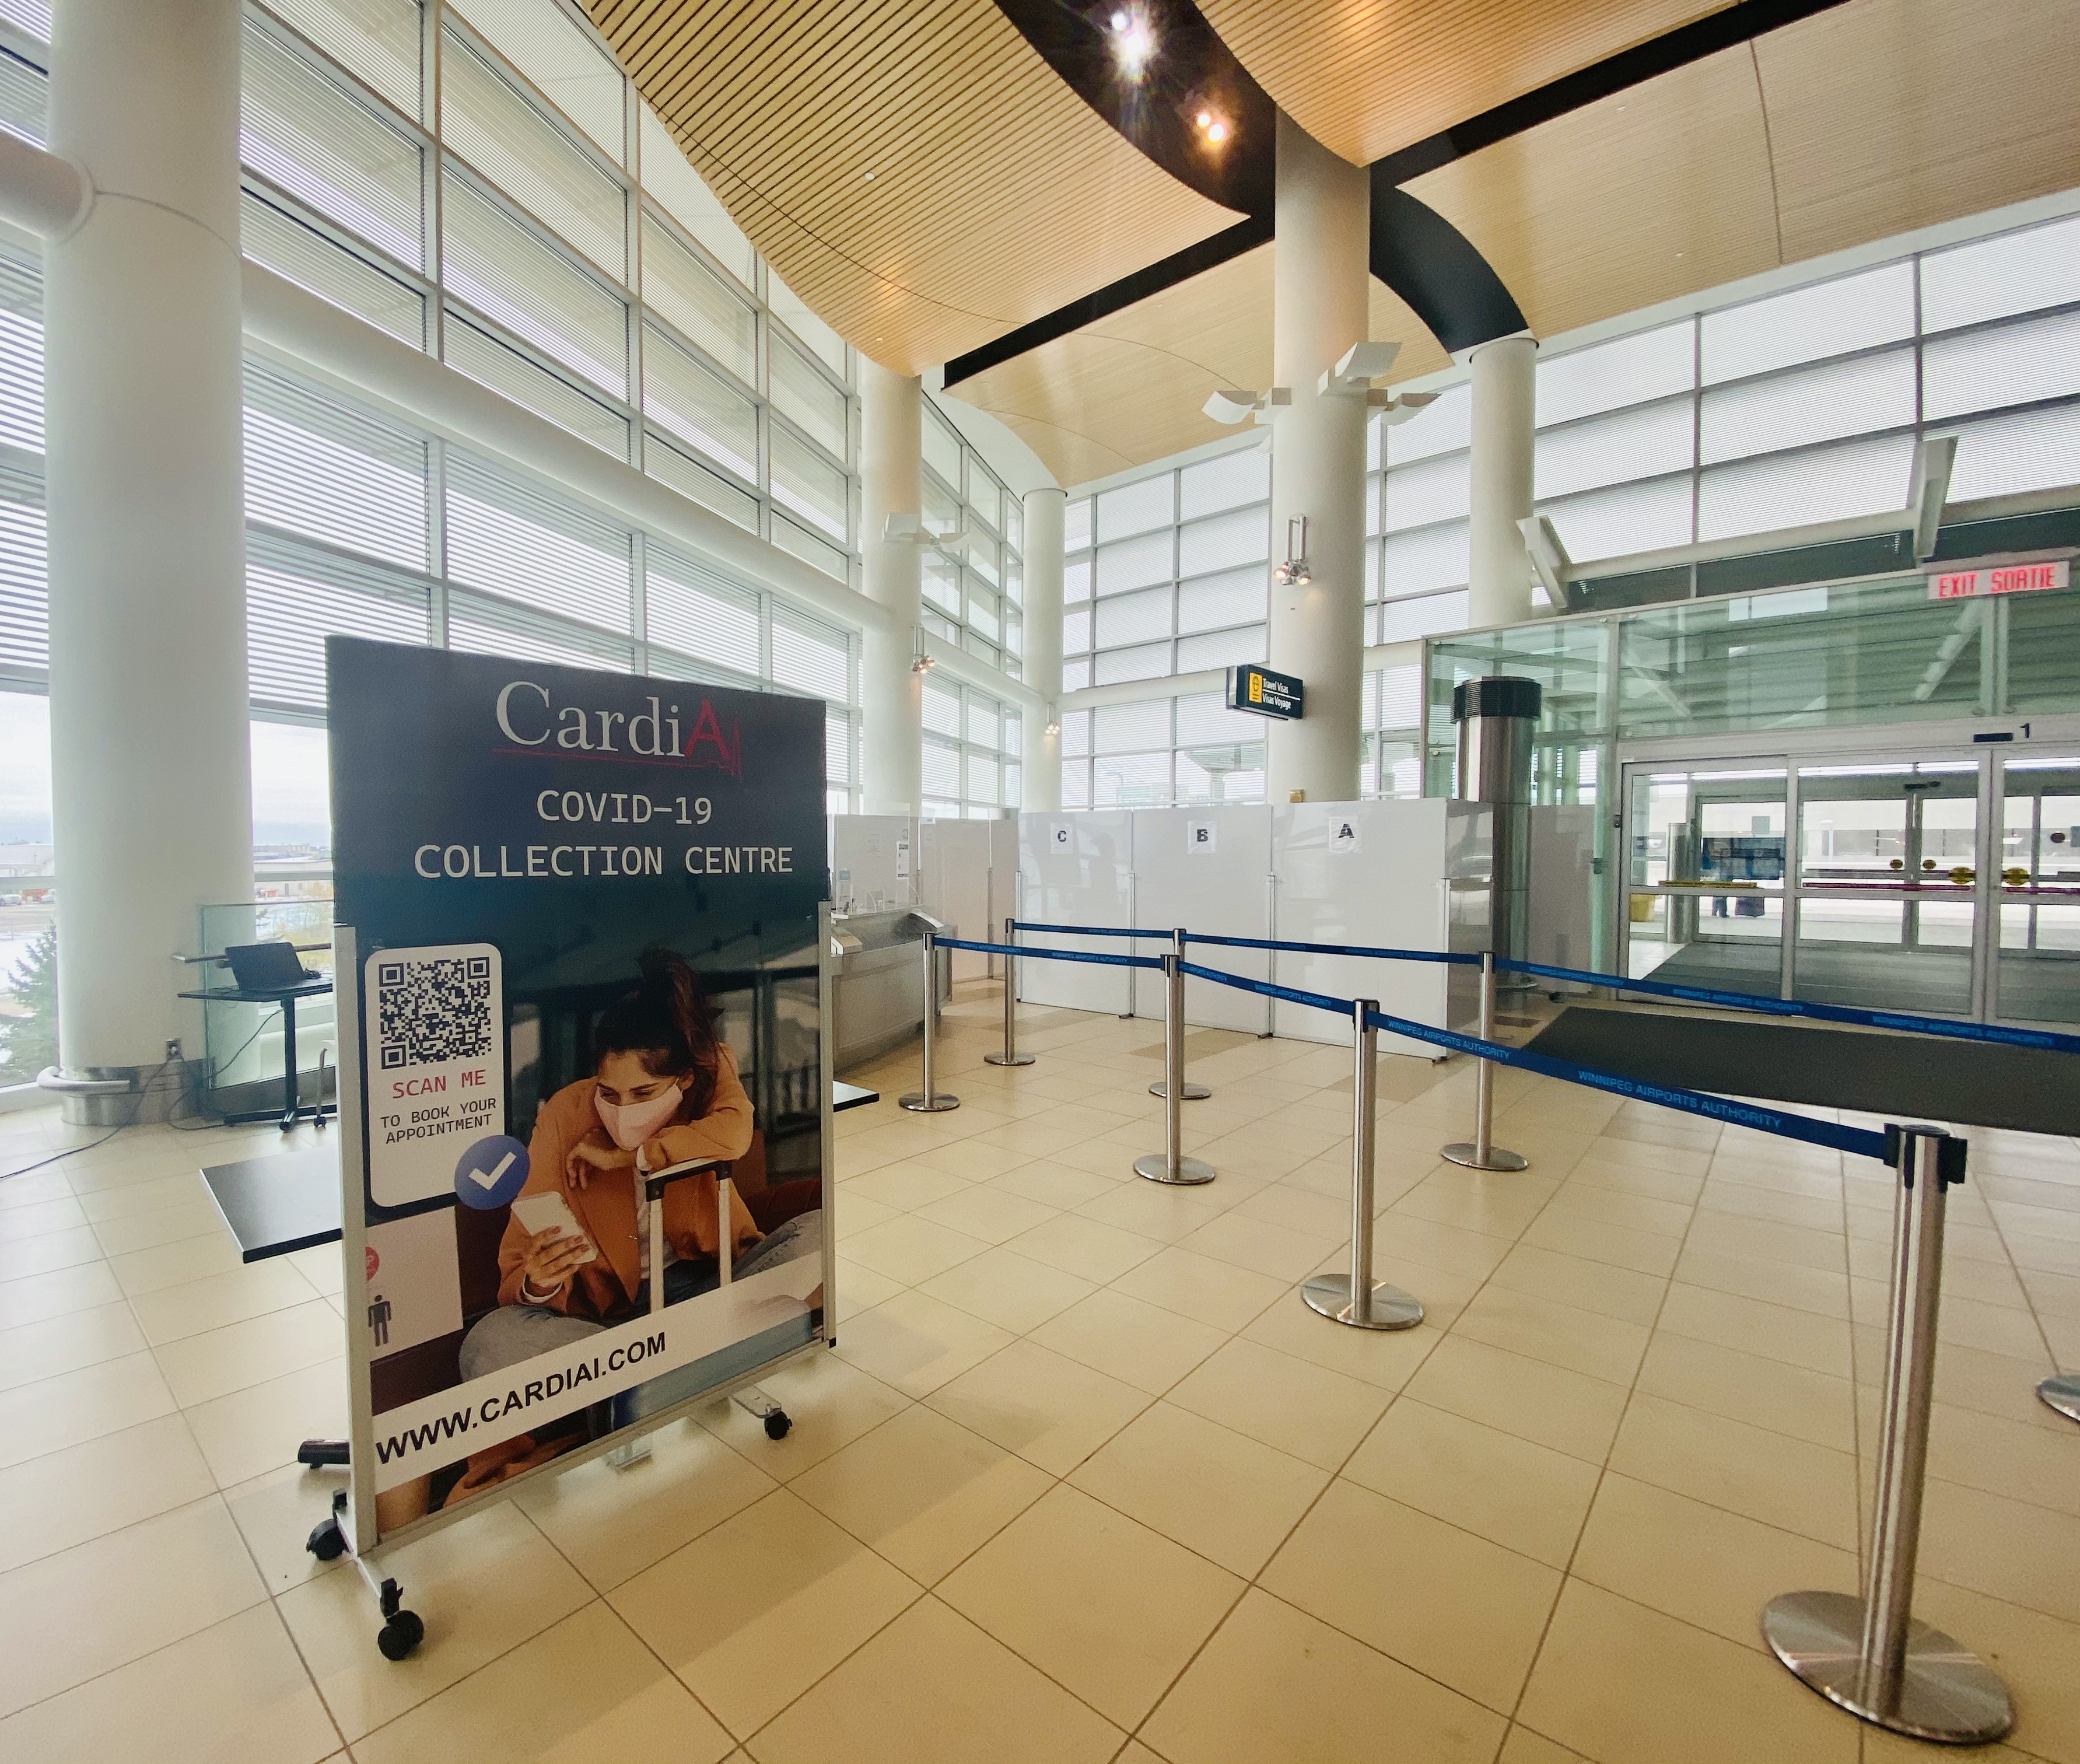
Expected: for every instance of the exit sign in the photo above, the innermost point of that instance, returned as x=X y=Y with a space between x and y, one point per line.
x=2000 y=579
x=1252 y=687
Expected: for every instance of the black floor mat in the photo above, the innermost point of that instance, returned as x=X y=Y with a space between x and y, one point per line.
x=1905 y=1077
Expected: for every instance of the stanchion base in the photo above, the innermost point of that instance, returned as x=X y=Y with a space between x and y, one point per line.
x=1010 y=1059
x=1946 y=1695
x=1189 y=1174
x=1461 y=1152
x=1391 y=1309
x=1194 y=1092
x=2063 y=1394
x=918 y=1103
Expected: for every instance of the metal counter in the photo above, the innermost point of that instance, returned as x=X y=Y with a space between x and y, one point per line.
x=880 y=1003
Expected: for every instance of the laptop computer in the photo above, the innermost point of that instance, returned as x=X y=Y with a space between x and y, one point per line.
x=267 y=967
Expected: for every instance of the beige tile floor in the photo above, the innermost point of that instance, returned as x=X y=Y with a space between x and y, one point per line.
x=1083 y=1479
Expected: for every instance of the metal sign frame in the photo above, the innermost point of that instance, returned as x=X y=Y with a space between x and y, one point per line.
x=1262 y=692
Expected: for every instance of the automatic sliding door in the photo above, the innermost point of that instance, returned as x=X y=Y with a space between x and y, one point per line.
x=1888 y=885
x=1705 y=883
x=2037 y=964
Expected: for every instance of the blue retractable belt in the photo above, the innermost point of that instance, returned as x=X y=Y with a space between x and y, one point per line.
x=1084 y=930
x=1717 y=1108
x=1339 y=949
x=1022 y=950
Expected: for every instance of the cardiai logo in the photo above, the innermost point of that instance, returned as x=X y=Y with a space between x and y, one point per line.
x=529 y=718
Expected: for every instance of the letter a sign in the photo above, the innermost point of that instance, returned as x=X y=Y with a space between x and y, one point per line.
x=1344 y=834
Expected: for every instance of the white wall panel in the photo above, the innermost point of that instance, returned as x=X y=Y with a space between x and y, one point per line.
x=953 y=885
x=1003 y=882
x=874 y=865
x=1375 y=874
x=1078 y=870
x=1207 y=869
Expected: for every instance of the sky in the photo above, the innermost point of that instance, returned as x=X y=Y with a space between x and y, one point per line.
x=290 y=804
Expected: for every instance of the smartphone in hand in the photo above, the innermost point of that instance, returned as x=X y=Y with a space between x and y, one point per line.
x=537 y=1213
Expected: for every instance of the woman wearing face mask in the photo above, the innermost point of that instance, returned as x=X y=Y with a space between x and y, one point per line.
x=664 y=1091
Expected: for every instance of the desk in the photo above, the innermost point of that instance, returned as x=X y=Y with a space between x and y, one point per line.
x=286 y=996
x=274 y=1205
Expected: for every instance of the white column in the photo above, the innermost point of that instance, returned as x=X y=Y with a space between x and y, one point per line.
x=891 y=443
x=150 y=761
x=1504 y=429
x=1321 y=288
x=1040 y=770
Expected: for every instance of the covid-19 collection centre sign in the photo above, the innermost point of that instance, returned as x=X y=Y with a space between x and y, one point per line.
x=585 y=1176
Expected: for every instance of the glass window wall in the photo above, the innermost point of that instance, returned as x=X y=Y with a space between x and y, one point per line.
x=975 y=590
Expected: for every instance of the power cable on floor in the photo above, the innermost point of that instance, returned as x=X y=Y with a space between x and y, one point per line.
x=137 y=1107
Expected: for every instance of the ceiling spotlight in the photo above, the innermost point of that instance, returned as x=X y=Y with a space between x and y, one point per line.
x=1133 y=43
x=1214 y=128
x=923 y=665
x=1217 y=133
x=1204 y=118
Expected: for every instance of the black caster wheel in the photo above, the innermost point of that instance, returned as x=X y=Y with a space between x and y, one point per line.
x=400 y=1635
x=778 y=1425
x=327 y=1542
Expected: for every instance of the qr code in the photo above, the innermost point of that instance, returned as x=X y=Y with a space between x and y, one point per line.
x=428 y=1011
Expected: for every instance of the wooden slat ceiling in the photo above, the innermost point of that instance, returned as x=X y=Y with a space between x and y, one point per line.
x=1642 y=197
x=1131 y=388
x=997 y=195
x=1832 y=132
x=1365 y=77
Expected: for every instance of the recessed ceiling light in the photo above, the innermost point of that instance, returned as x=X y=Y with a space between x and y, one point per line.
x=1204 y=118
x=870 y=177
x=1218 y=133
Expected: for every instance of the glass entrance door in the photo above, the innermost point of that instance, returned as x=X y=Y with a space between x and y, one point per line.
x=1943 y=884
x=1705 y=897
x=1888 y=885
x=2036 y=960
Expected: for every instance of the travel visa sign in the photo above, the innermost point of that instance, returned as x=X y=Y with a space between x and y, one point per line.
x=1257 y=689
x=1999 y=579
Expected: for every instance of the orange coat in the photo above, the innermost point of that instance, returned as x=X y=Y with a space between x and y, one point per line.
x=607 y=1286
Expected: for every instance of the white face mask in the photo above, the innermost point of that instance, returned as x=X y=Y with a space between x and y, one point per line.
x=629 y=1124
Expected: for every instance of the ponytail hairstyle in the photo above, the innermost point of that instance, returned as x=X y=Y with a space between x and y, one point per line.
x=668 y=1023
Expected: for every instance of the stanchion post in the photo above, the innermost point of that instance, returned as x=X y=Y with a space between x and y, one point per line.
x=1194 y=1092
x=1868 y=1655
x=925 y=1100
x=1481 y=1152
x=1170 y=1164
x=1011 y=1056
x=1381 y=1307
x=2062 y=1394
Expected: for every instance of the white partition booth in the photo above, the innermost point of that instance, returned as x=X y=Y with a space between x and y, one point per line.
x=1380 y=874
x=1208 y=869
x=1077 y=869
x=954 y=886
x=873 y=862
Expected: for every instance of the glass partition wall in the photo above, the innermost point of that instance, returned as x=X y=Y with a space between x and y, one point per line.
x=1844 y=792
